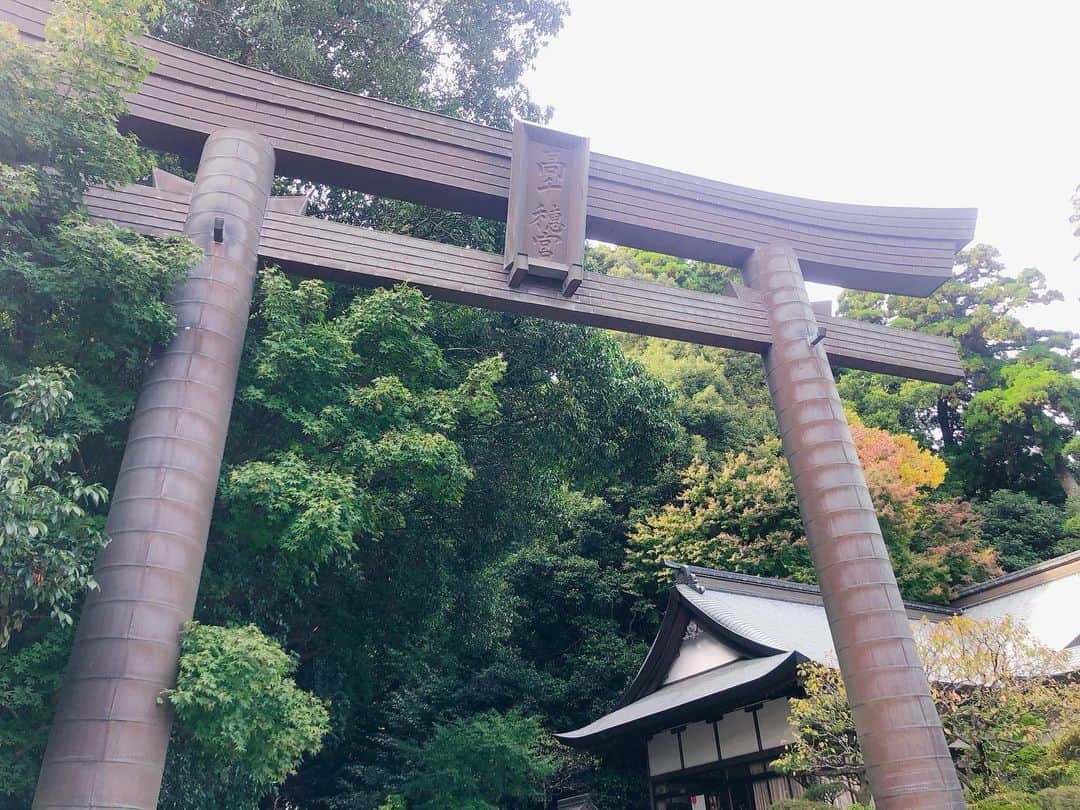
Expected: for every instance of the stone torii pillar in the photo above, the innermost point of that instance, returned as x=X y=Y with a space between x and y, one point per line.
x=109 y=736
x=903 y=745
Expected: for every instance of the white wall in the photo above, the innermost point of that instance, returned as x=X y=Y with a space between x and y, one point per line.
x=773 y=722
x=664 y=753
x=698 y=654
x=1051 y=610
x=736 y=734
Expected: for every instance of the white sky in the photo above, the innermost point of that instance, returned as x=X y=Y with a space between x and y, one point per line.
x=945 y=103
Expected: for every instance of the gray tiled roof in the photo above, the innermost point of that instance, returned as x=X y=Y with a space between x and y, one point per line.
x=716 y=579
x=792 y=627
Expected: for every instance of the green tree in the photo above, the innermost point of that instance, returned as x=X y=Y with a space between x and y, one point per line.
x=73 y=292
x=348 y=423
x=1029 y=420
x=661 y=269
x=61 y=101
x=458 y=57
x=721 y=397
x=48 y=542
x=996 y=691
x=742 y=515
x=236 y=700
x=482 y=763
x=1023 y=529
x=423 y=608
x=31 y=669
x=1009 y=423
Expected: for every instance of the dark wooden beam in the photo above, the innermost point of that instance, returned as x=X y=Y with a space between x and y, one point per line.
x=332 y=251
x=344 y=139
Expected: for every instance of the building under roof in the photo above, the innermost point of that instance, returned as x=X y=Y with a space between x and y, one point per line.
x=710 y=701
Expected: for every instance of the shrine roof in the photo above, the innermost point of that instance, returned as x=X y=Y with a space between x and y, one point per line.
x=731 y=582
x=769 y=625
x=1024 y=579
x=713 y=691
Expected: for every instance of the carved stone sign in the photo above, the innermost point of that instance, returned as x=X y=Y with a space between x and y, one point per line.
x=545 y=223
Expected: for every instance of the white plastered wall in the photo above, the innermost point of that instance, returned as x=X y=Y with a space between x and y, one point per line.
x=1050 y=610
x=735 y=731
x=703 y=651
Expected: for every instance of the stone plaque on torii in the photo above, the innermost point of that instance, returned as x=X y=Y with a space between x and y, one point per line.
x=109 y=736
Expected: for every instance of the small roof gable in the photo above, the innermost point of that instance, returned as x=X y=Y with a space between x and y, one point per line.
x=772 y=623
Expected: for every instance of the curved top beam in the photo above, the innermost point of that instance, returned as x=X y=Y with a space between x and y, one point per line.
x=328 y=136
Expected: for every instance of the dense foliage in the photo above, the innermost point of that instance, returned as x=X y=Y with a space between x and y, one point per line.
x=743 y=516
x=75 y=293
x=47 y=540
x=994 y=685
x=439 y=533
x=235 y=697
x=483 y=763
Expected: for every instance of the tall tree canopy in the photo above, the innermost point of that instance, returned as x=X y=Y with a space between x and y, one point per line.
x=464 y=58
x=1010 y=422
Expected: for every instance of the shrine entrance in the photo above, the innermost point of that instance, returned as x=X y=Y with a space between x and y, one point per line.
x=109 y=737
x=751 y=786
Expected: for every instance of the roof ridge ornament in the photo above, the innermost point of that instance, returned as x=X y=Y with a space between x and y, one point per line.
x=685 y=576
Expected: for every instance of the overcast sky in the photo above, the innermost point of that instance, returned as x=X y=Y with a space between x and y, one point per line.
x=946 y=103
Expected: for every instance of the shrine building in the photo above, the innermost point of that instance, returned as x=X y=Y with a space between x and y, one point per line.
x=709 y=705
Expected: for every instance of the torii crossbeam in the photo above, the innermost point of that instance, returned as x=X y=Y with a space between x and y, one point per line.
x=109 y=736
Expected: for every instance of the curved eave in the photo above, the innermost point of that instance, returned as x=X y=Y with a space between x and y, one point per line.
x=664 y=649
x=705 y=695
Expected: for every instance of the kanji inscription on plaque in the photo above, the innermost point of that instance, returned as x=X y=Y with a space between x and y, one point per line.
x=545 y=223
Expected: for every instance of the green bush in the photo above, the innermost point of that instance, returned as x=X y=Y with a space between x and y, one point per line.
x=484 y=762
x=1008 y=801
x=236 y=697
x=801 y=804
x=1061 y=765
x=826 y=792
x=1066 y=797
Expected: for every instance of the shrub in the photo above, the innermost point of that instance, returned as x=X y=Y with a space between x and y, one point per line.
x=1008 y=801
x=236 y=697
x=484 y=762
x=1061 y=765
x=826 y=792
x=1066 y=797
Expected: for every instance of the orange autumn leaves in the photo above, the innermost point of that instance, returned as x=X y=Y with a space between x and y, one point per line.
x=742 y=515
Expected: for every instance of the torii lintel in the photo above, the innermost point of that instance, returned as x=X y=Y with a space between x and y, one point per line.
x=347 y=140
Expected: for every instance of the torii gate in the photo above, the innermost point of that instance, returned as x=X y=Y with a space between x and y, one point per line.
x=108 y=740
